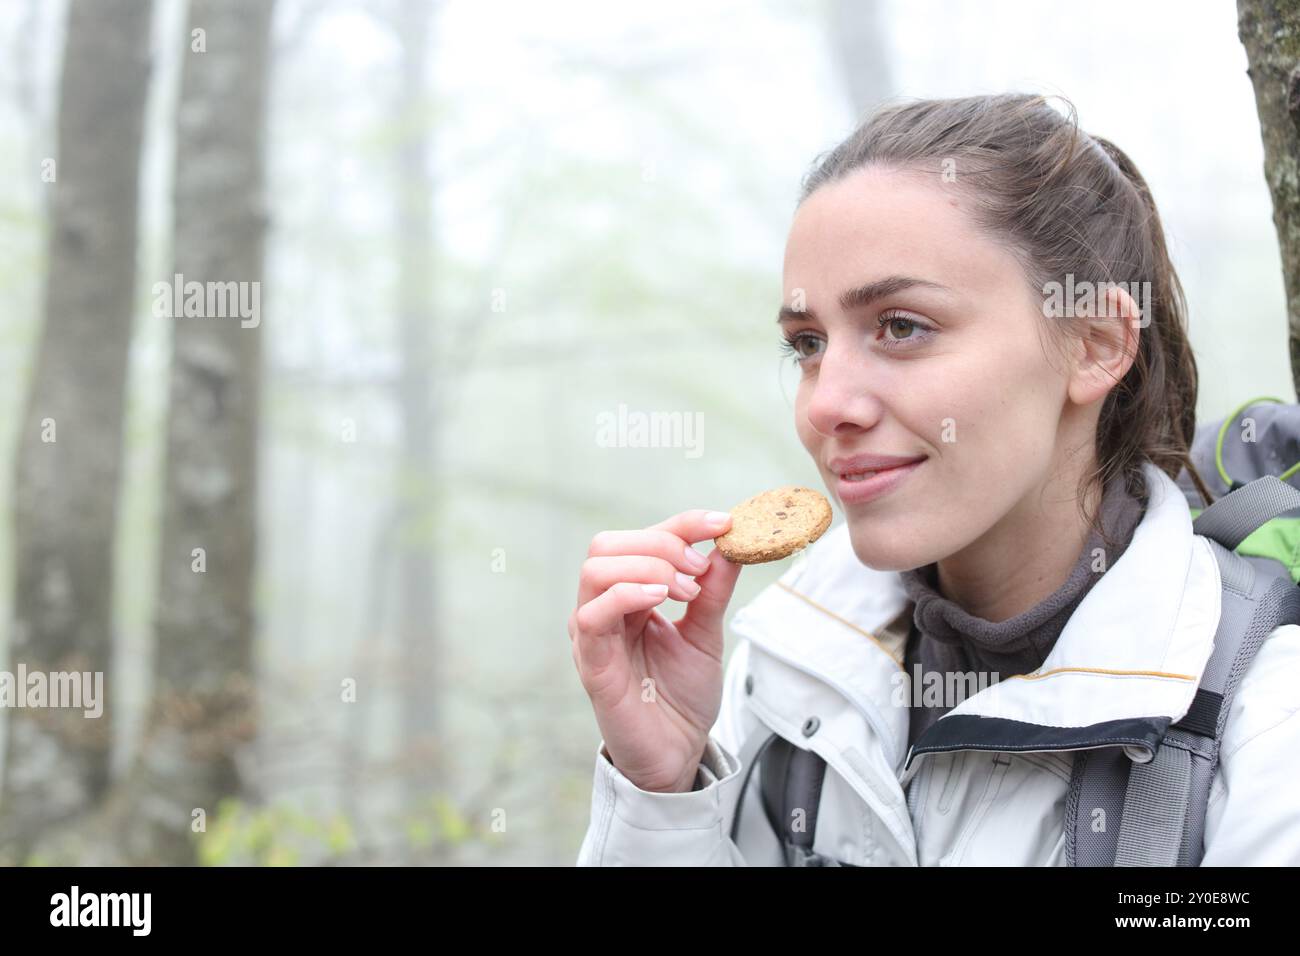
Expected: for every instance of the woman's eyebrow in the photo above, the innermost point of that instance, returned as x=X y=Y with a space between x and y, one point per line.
x=864 y=295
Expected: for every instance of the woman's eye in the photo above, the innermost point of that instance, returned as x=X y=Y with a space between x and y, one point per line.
x=894 y=325
x=801 y=345
x=900 y=329
x=899 y=332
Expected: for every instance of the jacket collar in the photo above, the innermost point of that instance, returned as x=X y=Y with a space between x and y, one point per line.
x=1123 y=669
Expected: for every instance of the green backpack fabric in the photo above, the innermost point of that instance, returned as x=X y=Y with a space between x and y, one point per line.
x=1261 y=437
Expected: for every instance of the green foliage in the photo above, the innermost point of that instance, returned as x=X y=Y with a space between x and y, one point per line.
x=437 y=821
x=284 y=835
x=275 y=835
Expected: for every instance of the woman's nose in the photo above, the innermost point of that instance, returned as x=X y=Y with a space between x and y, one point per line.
x=843 y=394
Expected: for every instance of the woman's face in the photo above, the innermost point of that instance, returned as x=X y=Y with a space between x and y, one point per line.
x=949 y=364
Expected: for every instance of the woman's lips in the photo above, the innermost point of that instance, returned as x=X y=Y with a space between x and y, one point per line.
x=874 y=486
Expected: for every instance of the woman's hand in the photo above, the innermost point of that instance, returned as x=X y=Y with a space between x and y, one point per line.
x=655 y=684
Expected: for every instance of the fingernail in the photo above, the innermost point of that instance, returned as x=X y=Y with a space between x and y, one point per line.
x=696 y=560
x=717 y=518
x=658 y=590
x=687 y=584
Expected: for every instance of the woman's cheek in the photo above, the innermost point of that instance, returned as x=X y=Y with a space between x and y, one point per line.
x=807 y=437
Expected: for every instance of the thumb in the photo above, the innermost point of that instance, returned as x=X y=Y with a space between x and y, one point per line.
x=703 y=618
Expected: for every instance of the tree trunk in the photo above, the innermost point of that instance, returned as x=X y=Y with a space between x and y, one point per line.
x=203 y=709
x=861 y=52
x=1270 y=31
x=70 y=439
x=203 y=712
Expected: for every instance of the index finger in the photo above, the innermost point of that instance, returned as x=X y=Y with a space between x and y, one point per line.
x=695 y=525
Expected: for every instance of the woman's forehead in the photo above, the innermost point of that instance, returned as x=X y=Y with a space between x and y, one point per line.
x=875 y=223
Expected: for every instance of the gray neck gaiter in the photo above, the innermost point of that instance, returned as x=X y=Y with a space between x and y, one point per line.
x=945 y=638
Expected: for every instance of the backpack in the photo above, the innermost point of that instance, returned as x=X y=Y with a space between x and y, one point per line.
x=1256 y=544
x=1268 y=443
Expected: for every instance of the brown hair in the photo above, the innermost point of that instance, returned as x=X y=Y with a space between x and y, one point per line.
x=1063 y=203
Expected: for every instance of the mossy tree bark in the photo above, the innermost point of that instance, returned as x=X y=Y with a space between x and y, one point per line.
x=1270 y=31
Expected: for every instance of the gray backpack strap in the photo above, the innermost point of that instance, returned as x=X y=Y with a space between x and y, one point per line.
x=1254 y=604
x=1232 y=518
x=1151 y=826
x=790 y=778
x=791 y=781
x=1164 y=800
x=1094 y=801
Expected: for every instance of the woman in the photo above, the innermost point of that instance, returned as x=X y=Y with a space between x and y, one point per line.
x=998 y=391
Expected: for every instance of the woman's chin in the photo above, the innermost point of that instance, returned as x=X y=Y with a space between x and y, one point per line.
x=878 y=556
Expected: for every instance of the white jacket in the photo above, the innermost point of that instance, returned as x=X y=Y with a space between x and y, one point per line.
x=1134 y=648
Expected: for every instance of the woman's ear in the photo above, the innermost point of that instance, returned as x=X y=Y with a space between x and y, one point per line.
x=1108 y=347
